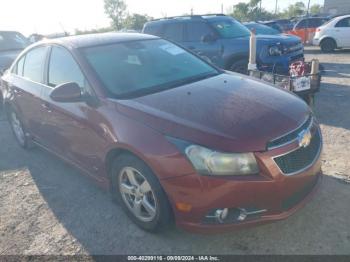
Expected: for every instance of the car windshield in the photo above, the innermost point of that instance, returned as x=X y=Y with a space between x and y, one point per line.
x=137 y=68
x=262 y=29
x=230 y=28
x=12 y=41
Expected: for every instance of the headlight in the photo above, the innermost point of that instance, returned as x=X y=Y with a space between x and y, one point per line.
x=211 y=162
x=275 y=51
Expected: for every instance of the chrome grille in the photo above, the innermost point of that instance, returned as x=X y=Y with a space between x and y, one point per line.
x=301 y=158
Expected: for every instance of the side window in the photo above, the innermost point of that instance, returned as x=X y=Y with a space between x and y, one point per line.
x=18 y=69
x=174 y=31
x=343 y=23
x=63 y=68
x=196 y=31
x=34 y=64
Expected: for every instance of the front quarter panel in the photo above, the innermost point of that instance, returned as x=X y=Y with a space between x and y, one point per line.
x=151 y=146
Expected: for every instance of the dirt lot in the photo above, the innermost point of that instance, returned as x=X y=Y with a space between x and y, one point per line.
x=47 y=207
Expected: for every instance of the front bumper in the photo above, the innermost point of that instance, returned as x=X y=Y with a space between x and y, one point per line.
x=280 y=195
x=316 y=41
x=279 y=64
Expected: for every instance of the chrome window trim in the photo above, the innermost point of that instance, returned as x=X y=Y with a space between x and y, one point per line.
x=286 y=134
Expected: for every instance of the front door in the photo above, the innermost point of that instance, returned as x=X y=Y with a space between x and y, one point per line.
x=196 y=39
x=70 y=127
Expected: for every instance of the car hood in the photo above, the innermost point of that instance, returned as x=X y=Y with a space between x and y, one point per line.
x=282 y=38
x=7 y=57
x=227 y=112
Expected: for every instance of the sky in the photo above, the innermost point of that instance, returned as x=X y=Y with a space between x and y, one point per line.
x=54 y=16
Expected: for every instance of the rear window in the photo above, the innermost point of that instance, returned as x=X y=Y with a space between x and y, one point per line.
x=137 y=68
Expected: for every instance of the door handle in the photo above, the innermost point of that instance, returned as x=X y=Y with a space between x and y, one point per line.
x=47 y=107
x=191 y=47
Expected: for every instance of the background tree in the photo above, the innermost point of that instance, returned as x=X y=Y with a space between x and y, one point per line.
x=136 y=21
x=251 y=11
x=316 y=9
x=116 y=11
x=297 y=9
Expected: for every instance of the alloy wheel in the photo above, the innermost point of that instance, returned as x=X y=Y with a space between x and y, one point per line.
x=137 y=194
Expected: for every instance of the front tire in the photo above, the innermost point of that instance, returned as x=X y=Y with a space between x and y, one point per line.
x=139 y=192
x=328 y=45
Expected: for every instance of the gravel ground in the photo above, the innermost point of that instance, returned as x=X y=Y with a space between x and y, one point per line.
x=47 y=207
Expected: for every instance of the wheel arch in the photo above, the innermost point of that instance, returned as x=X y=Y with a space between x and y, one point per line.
x=234 y=58
x=330 y=38
x=116 y=152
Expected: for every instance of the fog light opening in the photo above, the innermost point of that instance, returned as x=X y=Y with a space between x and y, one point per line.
x=232 y=215
x=242 y=214
x=221 y=215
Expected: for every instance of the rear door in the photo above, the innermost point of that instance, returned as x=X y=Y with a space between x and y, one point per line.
x=26 y=85
x=342 y=32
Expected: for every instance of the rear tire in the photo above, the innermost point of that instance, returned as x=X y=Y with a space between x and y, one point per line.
x=240 y=66
x=328 y=45
x=139 y=192
x=18 y=129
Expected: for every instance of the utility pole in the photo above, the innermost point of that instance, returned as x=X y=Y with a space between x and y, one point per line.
x=276 y=4
x=308 y=8
x=222 y=8
x=192 y=11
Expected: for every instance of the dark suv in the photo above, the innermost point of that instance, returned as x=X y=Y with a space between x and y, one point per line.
x=225 y=42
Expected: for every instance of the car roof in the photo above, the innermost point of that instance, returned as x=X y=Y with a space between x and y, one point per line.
x=81 y=41
x=193 y=18
x=342 y=16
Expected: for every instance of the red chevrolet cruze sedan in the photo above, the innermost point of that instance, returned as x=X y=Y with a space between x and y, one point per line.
x=171 y=136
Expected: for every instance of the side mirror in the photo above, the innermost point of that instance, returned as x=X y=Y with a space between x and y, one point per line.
x=209 y=38
x=67 y=93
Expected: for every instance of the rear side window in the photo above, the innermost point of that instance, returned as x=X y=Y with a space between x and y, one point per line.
x=18 y=70
x=63 y=68
x=196 y=31
x=34 y=64
x=343 y=23
x=174 y=31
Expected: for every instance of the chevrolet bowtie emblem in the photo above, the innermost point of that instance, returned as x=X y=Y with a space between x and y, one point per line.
x=304 y=138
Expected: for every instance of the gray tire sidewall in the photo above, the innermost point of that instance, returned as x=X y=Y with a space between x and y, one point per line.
x=326 y=43
x=24 y=144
